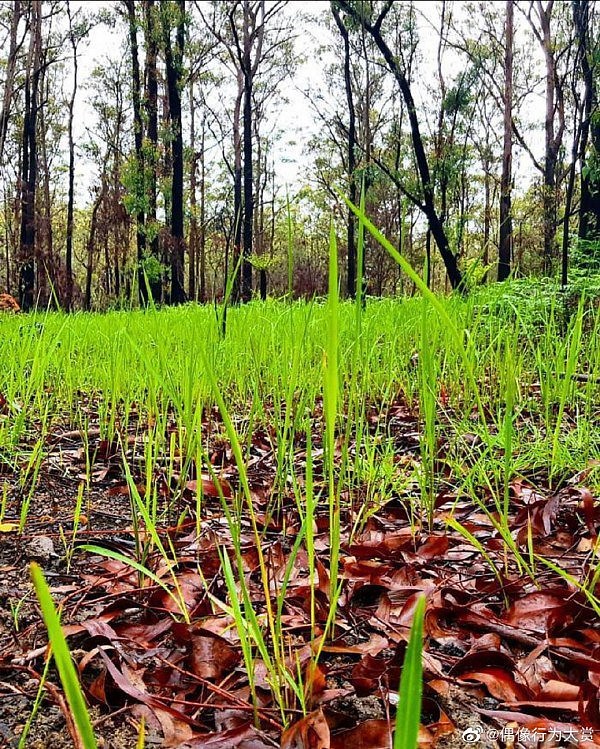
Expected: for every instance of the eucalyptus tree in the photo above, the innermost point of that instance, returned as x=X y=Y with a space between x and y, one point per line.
x=173 y=19
x=351 y=148
x=551 y=25
x=15 y=42
x=108 y=148
x=253 y=37
x=79 y=28
x=505 y=233
x=29 y=156
x=153 y=271
x=372 y=19
x=138 y=136
x=585 y=21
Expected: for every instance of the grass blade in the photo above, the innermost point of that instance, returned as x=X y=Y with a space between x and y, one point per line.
x=408 y=717
x=62 y=658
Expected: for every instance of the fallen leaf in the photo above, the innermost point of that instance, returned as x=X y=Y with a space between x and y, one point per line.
x=311 y=732
x=374 y=734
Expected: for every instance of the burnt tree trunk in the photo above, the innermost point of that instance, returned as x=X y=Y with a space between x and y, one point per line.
x=506 y=234
x=173 y=67
x=29 y=166
x=68 y=301
x=151 y=152
x=428 y=203
x=248 y=178
x=351 y=225
x=589 y=209
x=138 y=135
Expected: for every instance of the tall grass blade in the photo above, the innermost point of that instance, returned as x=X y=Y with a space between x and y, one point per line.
x=408 y=716
x=62 y=658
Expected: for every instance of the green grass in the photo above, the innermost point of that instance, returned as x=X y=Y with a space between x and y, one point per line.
x=123 y=369
x=312 y=375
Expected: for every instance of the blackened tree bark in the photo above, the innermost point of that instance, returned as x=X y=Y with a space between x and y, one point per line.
x=351 y=225
x=427 y=205
x=589 y=146
x=202 y=237
x=29 y=168
x=151 y=151
x=248 y=46
x=240 y=26
x=138 y=134
x=174 y=73
x=506 y=238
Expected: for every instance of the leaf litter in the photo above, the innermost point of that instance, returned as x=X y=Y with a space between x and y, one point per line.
x=503 y=652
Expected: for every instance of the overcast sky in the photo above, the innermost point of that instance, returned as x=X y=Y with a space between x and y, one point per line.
x=297 y=118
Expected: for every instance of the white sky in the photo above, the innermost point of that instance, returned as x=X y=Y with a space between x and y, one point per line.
x=297 y=118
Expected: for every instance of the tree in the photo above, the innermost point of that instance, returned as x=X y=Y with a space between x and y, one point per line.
x=77 y=32
x=9 y=81
x=250 y=40
x=138 y=135
x=152 y=266
x=351 y=147
x=589 y=147
x=29 y=158
x=173 y=16
x=427 y=200
x=554 y=121
x=505 y=242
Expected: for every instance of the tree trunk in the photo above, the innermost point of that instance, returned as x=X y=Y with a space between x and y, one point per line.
x=248 y=170
x=506 y=236
x=193 y=236
x=351 y=231
x=202 y=239
x=68 y=301
x=44 y=239
x=428 y=205
x=589 y=209
x=29 y=161
x=263 y=284
x=138 y=144
x=552 y=140
x=9 y=80
x=237 y=191
x=151 y=151
x=173 y=65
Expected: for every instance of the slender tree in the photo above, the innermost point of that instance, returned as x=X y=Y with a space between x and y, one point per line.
x=78 y=30
x=427 y=202
x=351 y=147
x=138 y=135
x=151 y=146
x=11 y=64
x=589 y=147
x=506 y=238
x=29 y=158
x=173 y=15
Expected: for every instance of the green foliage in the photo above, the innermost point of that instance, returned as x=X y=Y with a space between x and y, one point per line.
x=263 y=262
x=64 y=664
x=153 y=269
x=408 y=716
x=133 y=180
x=585 y=257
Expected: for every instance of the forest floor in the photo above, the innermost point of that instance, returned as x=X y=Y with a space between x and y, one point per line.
x=512 y=626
